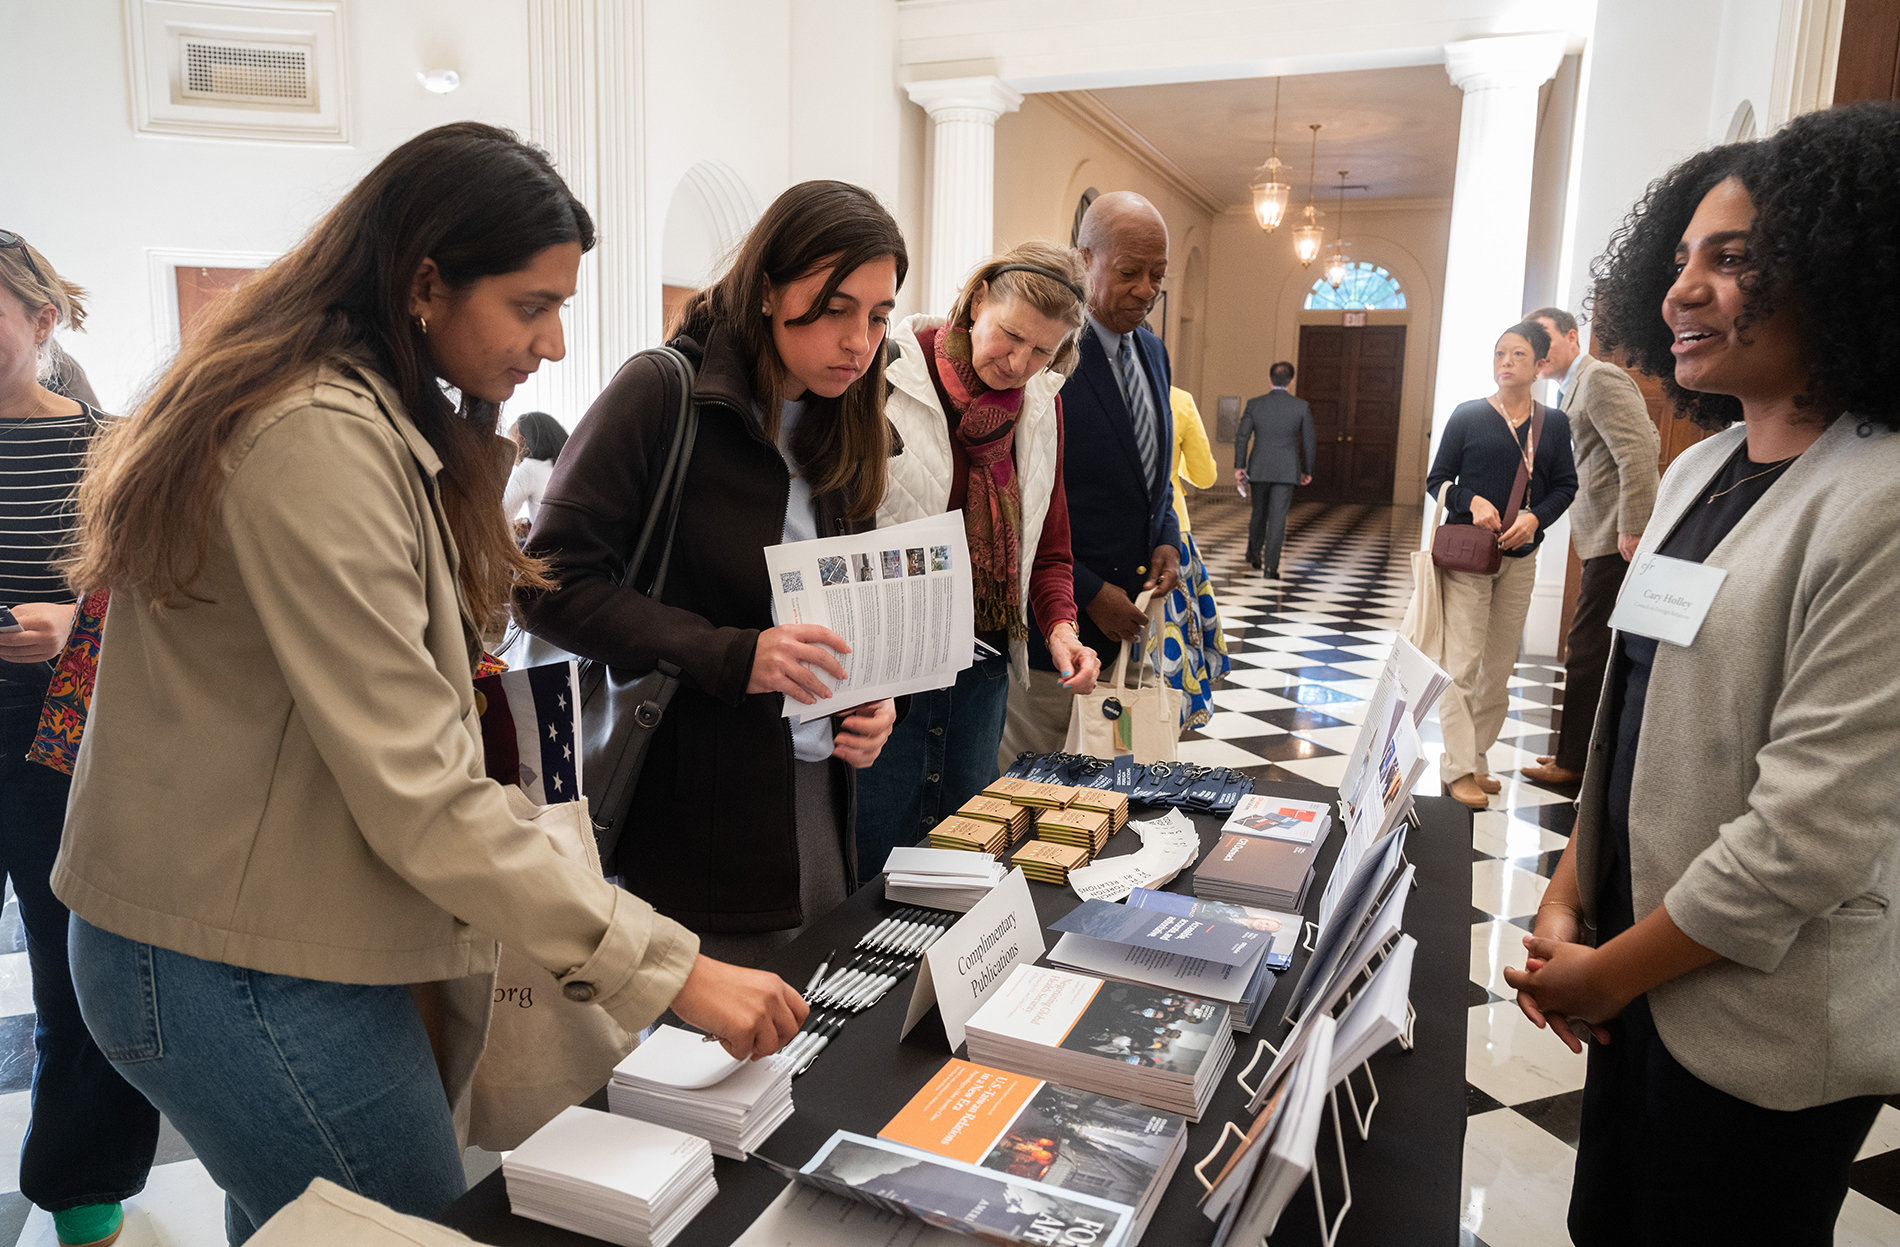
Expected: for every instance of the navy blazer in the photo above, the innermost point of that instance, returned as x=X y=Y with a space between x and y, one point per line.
x=1117 y=519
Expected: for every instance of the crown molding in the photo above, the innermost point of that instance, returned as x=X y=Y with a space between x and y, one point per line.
x=1088 y=111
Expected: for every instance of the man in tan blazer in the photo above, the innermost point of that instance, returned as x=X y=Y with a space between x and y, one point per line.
x=1617 y=450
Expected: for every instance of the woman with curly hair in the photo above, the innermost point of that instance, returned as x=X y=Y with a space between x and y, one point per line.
x=1721 y=924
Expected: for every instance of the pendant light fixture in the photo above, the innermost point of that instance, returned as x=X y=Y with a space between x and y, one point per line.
x=1337 y=264
x=1270 y=193
x=1306 y=238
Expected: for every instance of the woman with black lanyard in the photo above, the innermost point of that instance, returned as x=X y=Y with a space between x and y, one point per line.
x=92 y=1136
x=1487 y=443
x=1722 y=923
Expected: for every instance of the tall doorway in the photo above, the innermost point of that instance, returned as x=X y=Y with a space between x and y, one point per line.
x=1352 y=379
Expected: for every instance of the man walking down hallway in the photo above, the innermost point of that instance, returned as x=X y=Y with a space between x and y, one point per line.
x=1280 y=428
x=1617 y=450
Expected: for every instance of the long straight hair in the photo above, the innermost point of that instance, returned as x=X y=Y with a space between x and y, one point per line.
x=843 y=444
x=473 y=198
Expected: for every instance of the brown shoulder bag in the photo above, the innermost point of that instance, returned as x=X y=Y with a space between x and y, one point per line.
x=1469 y=548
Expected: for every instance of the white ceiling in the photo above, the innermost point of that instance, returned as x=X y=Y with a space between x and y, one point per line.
x=1396 y=130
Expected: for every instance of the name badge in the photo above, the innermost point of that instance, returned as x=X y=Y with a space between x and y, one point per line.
x=1666 y=599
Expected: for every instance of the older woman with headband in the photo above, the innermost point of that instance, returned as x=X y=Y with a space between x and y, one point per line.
x=975 y=399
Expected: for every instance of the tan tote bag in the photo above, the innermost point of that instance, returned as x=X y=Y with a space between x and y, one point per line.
x=545 y=1052
x=1113 y=720
x=1424 y=624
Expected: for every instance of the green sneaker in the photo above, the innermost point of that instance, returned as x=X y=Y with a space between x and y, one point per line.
x=89 y=1225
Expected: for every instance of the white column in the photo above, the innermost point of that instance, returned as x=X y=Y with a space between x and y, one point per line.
x=1490 y=206
x=585 y=107
x=1484 y=260
x=962 y=190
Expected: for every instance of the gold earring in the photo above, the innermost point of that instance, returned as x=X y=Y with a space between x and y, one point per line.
x=422 y=322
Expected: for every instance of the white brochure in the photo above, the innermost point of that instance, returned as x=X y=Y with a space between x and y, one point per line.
x=1169 y=844
x=899 y=597
x=1666 y=599
x=967 y=963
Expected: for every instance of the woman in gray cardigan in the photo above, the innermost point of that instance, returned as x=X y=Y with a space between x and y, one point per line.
x=1721 y=925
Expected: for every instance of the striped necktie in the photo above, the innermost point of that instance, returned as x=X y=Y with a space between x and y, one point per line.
x=1141 y=408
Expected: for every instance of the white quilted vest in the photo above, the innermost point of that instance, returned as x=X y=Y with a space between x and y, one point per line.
x=920 y=477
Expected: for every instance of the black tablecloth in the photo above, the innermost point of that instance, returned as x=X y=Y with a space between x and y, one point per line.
x=1405 y=1178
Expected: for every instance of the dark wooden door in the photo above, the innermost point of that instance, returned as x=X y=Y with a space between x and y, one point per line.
x=1869 y=63
x=1352 y=379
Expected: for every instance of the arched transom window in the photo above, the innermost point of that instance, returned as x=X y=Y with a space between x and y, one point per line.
x=1366 y=286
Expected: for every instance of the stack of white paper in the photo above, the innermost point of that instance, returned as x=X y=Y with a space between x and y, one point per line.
x=676 y=1079
x=953 y=879
x=628 y=1182
x=1169 y=844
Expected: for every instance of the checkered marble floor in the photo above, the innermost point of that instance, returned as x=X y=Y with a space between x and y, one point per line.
x=1305 y=651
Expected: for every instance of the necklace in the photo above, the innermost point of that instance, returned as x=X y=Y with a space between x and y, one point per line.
x=1757 y=476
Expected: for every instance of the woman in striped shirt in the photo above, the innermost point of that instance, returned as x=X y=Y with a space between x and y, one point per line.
x=92 y=1136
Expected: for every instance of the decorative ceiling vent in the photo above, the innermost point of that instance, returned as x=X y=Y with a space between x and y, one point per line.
x=258 y=70
x=255 y=73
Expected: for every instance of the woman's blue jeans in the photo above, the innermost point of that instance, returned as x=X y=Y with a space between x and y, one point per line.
x=274 y=1080
x=941 y=755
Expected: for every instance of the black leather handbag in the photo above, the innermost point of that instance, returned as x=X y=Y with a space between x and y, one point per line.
x=622 y=708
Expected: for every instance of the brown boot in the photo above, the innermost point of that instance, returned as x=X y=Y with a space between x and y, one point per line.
x=1551 y=773
x=1466 y=789
x=1488 y=784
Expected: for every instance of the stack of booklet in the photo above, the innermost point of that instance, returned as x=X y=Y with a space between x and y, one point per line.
x=1163 y=1049
x=677 y=1079
x=941 y=878
x=1048 y=862
x=1257 y=870
x=1056 y=1135
x=1302 y=822
x=1037 y=796
x=995 y=1205
x=1164 y=943
x=996 y=810
x=969 y=833
x=628 y=1182
x=1086 y=829
x=1103 y=801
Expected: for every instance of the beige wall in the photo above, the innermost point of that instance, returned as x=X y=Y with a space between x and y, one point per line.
x=1255 y=288
x=1046 y=158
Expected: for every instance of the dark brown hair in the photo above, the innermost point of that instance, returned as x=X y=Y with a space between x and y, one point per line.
x=843 y=445
x=477 y=201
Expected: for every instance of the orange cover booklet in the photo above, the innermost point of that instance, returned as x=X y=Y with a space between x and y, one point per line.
x=1029 y=1128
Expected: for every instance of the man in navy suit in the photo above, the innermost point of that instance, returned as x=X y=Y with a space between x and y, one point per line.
x=1118 y=435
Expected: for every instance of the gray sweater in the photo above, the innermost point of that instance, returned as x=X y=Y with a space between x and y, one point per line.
x=1765 y=809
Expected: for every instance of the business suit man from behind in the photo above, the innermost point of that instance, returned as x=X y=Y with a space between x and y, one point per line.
x=1617 y=450
x=1118 y=446
x=1280 y=428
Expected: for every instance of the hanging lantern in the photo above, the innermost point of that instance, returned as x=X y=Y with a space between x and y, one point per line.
x=1270 y=194
x=1337 y=265
x=1306 y=238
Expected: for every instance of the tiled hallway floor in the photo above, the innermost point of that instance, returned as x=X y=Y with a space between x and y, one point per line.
x=1305 y=649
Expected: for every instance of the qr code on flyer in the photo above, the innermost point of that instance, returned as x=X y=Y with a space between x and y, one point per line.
x=791 y=582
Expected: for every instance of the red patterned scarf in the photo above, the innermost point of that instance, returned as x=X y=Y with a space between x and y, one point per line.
x=985 y=426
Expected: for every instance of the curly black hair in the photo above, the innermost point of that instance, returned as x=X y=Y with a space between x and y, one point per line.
x=1825 y=243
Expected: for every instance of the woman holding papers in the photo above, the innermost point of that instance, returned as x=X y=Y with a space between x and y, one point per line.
x=286 y=868
x=974 y=398
x=741 y=822
x=1723 y=920
x=1489 y=445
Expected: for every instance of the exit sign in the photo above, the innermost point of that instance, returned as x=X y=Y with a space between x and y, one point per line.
x=1355 y=320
